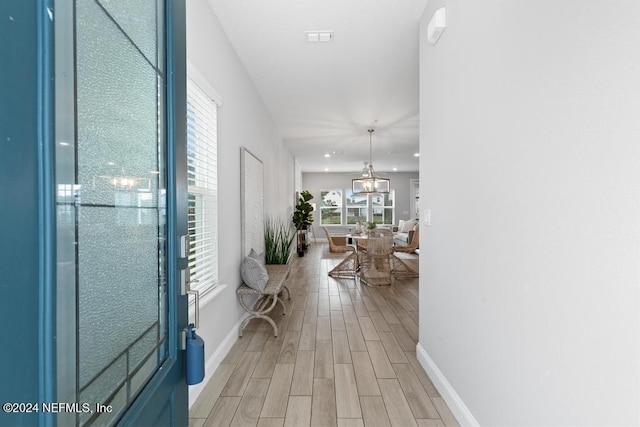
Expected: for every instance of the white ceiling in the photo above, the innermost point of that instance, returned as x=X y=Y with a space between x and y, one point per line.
x=324 y=96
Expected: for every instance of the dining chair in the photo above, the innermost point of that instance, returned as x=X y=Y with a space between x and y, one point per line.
x=400 y=268
x=375 y=268
x=376 y=232
x=337 y=243
x=348 y=267
x=413 y=244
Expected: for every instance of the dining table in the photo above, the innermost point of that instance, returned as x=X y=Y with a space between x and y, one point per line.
x=374 y=260
x=400 y=268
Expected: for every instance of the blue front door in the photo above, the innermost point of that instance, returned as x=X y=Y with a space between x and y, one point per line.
x=107 y=207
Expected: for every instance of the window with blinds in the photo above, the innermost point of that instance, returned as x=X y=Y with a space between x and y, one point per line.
x=202 y=175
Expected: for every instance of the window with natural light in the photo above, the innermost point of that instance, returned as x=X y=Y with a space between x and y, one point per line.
x=357 y=207
x=383 y=208
x=331 y=207
x=202 y=175
x=377 y=208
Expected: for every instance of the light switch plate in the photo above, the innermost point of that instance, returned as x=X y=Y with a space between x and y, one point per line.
x=184 y=246
x=426 y=217
x=437 y=25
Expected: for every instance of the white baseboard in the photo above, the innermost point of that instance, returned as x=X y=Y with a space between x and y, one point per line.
x=455 y=403
x=214 y=361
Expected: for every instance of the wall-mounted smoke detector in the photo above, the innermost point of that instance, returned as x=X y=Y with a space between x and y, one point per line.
x=319 y=36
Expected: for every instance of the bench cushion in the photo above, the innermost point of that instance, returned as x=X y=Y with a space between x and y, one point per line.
x=278 y=273
x=277 y=276
x=253 y=272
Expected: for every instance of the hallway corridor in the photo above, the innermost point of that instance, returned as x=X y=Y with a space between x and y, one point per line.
x=345 y=356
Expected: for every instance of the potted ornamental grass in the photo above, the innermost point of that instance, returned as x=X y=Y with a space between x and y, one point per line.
x=278 y=240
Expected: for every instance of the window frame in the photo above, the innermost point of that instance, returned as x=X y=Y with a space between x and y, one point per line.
x=370 y=207
x=384 y=207
x=204 y=188
x=354 y=206
x=324 y=207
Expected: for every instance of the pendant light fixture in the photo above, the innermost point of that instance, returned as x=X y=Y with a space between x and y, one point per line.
x=370 y=182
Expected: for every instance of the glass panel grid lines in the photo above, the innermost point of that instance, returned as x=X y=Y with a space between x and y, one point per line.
x=111 y=202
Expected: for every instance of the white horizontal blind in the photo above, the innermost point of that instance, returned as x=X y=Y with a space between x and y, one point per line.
x=202 y=175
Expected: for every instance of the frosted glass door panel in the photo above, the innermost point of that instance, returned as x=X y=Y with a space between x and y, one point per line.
x=111 y=206
x=138 y=19
x=117 y=97
x=126 y=269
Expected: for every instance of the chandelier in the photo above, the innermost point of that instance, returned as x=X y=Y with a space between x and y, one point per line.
x=370 y=182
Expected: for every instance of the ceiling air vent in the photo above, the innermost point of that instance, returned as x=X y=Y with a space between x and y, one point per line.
x=319 y=36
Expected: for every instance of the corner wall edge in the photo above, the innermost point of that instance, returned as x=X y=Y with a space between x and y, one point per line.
x=454 y=401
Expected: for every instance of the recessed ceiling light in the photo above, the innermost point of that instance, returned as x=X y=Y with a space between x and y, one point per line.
x=319 y=36
x=326 y=169
x=416 y=155
x=395 y=169
x=64 y=144
x=110 y=163
x=327 y=155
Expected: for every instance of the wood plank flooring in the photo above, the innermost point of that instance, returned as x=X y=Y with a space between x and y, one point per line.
x=344 y=356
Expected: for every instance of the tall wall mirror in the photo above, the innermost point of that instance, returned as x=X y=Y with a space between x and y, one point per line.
x=252 y=200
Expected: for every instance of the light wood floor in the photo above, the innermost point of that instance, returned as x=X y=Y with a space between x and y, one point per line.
x=344 y=356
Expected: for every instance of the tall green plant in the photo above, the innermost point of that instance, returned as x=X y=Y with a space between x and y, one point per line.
x=303 y=218
x=278 y=237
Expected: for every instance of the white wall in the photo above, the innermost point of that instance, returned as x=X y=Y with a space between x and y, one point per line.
x=529 y=273
x=243 y=121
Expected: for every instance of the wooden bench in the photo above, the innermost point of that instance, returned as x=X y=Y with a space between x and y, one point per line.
x=268 y=297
